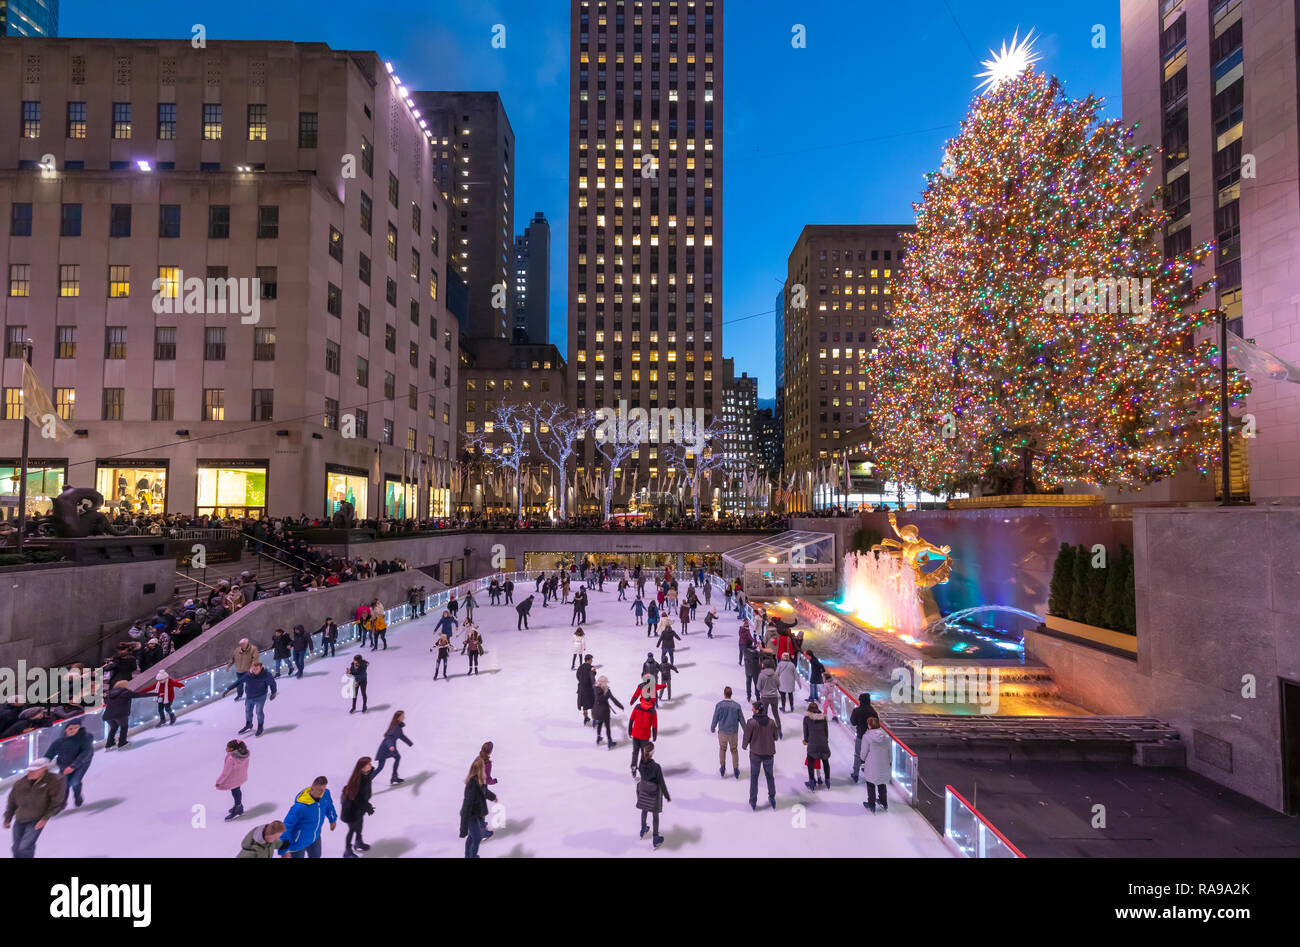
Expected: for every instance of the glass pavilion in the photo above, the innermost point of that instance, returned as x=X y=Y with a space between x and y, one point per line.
x=791 y=563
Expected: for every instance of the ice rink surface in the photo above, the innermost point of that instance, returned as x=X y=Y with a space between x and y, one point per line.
x=560 y=795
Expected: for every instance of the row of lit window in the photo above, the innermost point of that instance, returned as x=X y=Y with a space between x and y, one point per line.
x=113 y=404
x=211 y=121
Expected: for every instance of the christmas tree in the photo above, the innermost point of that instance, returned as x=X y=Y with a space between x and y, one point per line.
x=1036 y=315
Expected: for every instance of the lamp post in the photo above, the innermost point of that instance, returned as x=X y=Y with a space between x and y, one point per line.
x=1224 y=446
x=22 y=471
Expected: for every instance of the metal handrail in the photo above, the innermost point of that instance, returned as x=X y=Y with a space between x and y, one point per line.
x=274 y=546
x=987 y=824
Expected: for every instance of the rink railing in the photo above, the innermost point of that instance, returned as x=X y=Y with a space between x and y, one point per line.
x=206 y=686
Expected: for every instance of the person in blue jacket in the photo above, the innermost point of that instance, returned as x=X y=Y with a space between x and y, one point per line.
x=72 y=753
x=306 y=817
x=651 y=619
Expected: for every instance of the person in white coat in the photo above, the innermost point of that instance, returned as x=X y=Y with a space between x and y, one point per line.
x=876 y=752
x=579 y=648
x=785 y=677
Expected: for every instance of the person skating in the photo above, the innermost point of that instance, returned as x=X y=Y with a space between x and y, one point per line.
x=34 y=799
x=859 y=719
x=684 y=616
x=311 y=809
x=728 y=718
x=710 y=617
x=443 y=646
x=378 y=626
x=667 y=642
x=652 y=620
x=579 y=647
x=752 y=659
x=494 y=591
x=362 y=617
x=666 y=672
x=876 y=765
x=586 y=688
x=509 y=589
x=651 y=793
x=816 y=737
x=638 y=609
x=760 y=739
x=262 y=841
x=485 y=754
x=643 y=725
x=388 y=747
x=359 y=673
x=453 y=606
x=816 y=675
x=600 y=712
x=785 y=682
x=242 y=661
x=281 y=648
x=301 y=645
x=769 y=691
x=117 y=712
x=747 y=642
x=474 y=808
x=622 y=590
x=470 y=605
x=522 y=609
x=650 y=666
x=579 y=607
x=259 y=682
x=71 y=755
x=356 y=806
x=447 y=624
x=473 y=647
x=329 y=636
x=234 y=773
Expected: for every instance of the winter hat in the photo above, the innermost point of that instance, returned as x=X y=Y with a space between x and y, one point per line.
x=189 y=603
x=161 y=676
x=602 y=681
x=153 y=641
x=39 y=764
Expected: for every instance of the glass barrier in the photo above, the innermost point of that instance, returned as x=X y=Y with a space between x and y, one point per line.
x=970 y=833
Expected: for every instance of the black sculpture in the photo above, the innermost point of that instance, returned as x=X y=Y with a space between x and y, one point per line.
x=74 y=514
x=344 y=517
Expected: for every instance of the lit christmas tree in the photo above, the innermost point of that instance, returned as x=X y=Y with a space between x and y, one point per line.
x=1035 y=313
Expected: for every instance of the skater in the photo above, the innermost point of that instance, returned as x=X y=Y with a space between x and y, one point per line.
x=651 y=793
x=752 y=659
x=666 y=672
x=329 y=636
x=494 y=592
x=692 y=600
x=117 y=712
x=485 y=754
x=262 y=841
x=474 y=808
x=522 y=609
x=860 y=718
x=281 y=645
x=760 y=739
x=728 y=718
x=650 y=666
x=579 y=606
x=684 y=616
x=747 y=642
x=709 y=618
x=362 y=617
x=817 y=739
x=622 y=589
x=586 y=689
x=643 y=725
x=388 y=747
x=443 y=647
x=356 y=806
x=638 y=609
x=877 y=764
x=301 y=645
x=453 y=606
x=769 y=691
x=666 y=642
x=708 y=592
x=260 y=680
x=164 y=688
x=242 y=661
x=816 y=675
x=785 y=682
x=727 y=595
x=358 y=673
x=470 y=605
x=71 y=755
x=651 y=620
x=34 y=799
x=446 y=624
x=579 y=647
x=784 y=643
x=378 y=626
x=234 y=773
x=509 y=589
x=600 y=712
x=473 y=647
x=311 y=809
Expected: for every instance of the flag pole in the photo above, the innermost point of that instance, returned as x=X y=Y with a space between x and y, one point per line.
x=22 y=478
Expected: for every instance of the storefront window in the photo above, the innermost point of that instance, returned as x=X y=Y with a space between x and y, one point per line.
x=136 y=489
x=44 y=483
x=439 y=502
x=347 y=485
x=232 y=491
x=397 y=501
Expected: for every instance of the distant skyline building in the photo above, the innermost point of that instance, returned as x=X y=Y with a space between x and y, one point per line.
x=767 y=440
x=739 y=407
x=475 y=168
x=532 y=282
x=29 y=18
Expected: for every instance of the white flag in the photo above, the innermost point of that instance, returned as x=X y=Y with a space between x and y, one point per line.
x=40 y=410
x=1258 y=364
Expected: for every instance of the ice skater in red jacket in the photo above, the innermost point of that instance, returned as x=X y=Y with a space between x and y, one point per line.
x=643 y=727
x=164 y=688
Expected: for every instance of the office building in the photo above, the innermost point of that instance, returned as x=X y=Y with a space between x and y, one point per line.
x=532 y=283
x=739 y=444
x=29 y=18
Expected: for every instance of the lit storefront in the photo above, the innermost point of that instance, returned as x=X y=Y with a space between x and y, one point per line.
x=397 y=500
x=132 y=486
x=439 y=502
x=346 y=483
x=45 y=479
x=231 y=488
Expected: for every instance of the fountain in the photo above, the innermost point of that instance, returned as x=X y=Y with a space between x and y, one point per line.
x=881 y=591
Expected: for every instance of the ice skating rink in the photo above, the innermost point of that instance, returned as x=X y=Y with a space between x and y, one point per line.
x=559 y=794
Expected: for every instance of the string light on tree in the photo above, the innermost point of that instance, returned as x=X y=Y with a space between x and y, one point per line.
x=1010 y=63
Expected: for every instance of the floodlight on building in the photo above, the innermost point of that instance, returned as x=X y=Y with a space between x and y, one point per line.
x=143 y=165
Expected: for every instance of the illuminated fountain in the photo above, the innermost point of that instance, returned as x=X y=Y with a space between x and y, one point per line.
x=881 y=591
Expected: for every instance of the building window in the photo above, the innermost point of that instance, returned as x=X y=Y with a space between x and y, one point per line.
x=268 y=221
x=390 y=290
x=119 y=282
x=363 y=269
x=413 y=397
x=268 y=279
x=31 y=119
x=13 y=404
x=390 y=386
x=388 y=431
x=331 y=357
x=363 y=320
x=70 y=220
x=392 y=188
x=122 y=121
x=20 y=220
x=169 y=220
x=415 y=355
x=15 y=337
x=263 y=404
x=367 y=157
x=76 y=119
x=214 y=344
x=164 y=343
x=264 y=345
x=336 y=244
x=334 y=300
x=415 y=216
x=415 y=265
x=65 y=342
x=257 y=123
x=20 y=279
x=307 y=127
x=166 y=121
x=363 y=373
x=115 y=342
x=331 y=414
x=392 y=242
x=164 y=404
x=433 y=241
x=64 y=401
x=214 y=404
x=433 y=284
x=367 y=212
x=415 y=312
x=390 y=338
x=363 y=422
x=113 y=402
x=119 y=220
x=212 y=124
x=168 y=283
x=218 y=221
x=69 y=280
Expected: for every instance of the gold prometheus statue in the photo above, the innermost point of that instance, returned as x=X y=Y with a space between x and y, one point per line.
x=917 y=553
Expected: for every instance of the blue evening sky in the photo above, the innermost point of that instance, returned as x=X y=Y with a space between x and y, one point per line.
x=839 y=132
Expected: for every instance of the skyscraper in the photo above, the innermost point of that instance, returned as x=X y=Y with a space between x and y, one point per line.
x=739 y=407
x=532 y=282
x=475 y=168
x=29 y=18
x=645 y=191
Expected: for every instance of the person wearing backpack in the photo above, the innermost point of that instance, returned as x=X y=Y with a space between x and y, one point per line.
x=651 y=793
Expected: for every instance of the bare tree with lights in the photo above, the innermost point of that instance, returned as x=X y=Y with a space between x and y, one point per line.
x=558 y=433
x=513 y=423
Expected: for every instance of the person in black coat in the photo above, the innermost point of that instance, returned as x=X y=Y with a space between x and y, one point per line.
x=388 y=746
x=72 y=753
x=650 y=666
x=357 y=671
x=600 y=713
x=329 y=636
x=356 y=805
x=281 y=645
x=117 y=712
x=523 y=608
x=666 y=672
x=816 y=675
x=301 y=645
x=586 y=689
x=474 y=809
x=651 y=793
